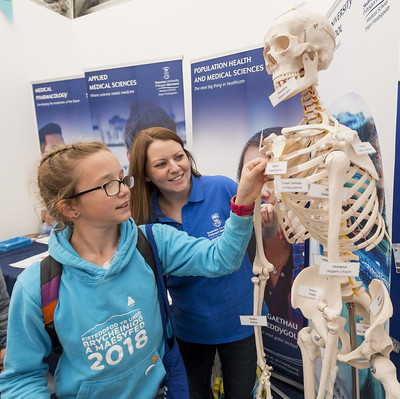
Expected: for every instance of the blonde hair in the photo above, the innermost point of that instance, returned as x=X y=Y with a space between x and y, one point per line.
x=140 y=200
x=57 y=175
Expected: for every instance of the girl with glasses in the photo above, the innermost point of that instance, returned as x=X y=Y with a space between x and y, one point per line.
x=107 y=317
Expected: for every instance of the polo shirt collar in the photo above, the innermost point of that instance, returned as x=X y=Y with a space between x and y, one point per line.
x=196 y=195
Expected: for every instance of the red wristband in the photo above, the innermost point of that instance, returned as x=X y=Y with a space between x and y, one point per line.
x=241 y=210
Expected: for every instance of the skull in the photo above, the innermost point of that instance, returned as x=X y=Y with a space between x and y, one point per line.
x=298 y=44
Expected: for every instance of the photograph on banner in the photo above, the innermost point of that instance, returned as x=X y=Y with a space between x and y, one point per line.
x=231 y=111
x=125 y=100
x=62 y=112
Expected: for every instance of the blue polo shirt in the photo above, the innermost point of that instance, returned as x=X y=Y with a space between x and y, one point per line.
x=207 y=310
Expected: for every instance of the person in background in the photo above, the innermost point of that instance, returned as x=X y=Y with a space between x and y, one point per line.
x=107 y=317
x=169 y=190
x=50 y=136
x=4 y=303
x=143 y=116
x=287 y=258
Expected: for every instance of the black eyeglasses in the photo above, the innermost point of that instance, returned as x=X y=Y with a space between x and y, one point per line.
x=111 y=188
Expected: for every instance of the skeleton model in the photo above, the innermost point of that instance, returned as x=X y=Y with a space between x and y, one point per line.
x=324 y=184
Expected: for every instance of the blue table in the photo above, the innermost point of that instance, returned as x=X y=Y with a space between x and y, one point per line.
x=6 y=258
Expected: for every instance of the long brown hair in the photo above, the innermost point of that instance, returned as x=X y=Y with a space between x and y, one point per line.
x=140 y=200
x=57 y=175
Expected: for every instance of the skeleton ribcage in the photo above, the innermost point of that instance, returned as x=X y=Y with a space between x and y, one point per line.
x=302 y=216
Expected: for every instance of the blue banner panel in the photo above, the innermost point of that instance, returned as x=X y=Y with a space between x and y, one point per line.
x=395 y=281
x=62 y=111
x=128 y=99
x=230 y=105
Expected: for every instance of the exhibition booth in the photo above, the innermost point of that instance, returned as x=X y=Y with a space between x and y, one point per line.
x=100 y=72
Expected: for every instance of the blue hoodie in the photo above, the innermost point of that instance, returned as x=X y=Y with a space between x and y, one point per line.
x=108 y=321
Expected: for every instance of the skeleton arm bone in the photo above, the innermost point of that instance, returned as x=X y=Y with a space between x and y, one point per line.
x=260 y=264
x=336 y=163
x=261 y=268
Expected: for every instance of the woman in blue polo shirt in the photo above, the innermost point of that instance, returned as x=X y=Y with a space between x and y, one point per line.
x=169 y=190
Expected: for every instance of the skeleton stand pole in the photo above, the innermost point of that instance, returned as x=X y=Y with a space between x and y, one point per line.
x=353 y=343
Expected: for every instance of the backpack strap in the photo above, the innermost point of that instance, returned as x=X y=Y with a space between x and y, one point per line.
x=50 y=275
x=149 y=252
x=161 y=283
x=145 y=250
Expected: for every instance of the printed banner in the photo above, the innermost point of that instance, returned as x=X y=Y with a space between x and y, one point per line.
x=230 y=104
x=230 y=111
x=395 y=275
x=396 y=190
x=62 y=112
x=123 y=101
x=352 y=89
x=62 y=115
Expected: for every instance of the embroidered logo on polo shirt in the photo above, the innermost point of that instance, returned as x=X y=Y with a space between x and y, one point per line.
x=215 y=219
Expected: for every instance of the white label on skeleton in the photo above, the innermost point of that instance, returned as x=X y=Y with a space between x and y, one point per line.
x=361 y=328
x=376 y=305
x=253 y=320
x=322 y=191
x=288 y=88
x=363 y=148
x=318 y=191
x=310 y=292
x=318 y=259
x=276 y=168
x=292 y=185
x=350 y=269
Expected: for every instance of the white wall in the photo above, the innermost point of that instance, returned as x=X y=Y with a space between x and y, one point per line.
x=42 y=45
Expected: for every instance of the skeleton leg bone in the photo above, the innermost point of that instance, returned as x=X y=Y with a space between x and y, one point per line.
x=385 y=372
x=309 y=353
